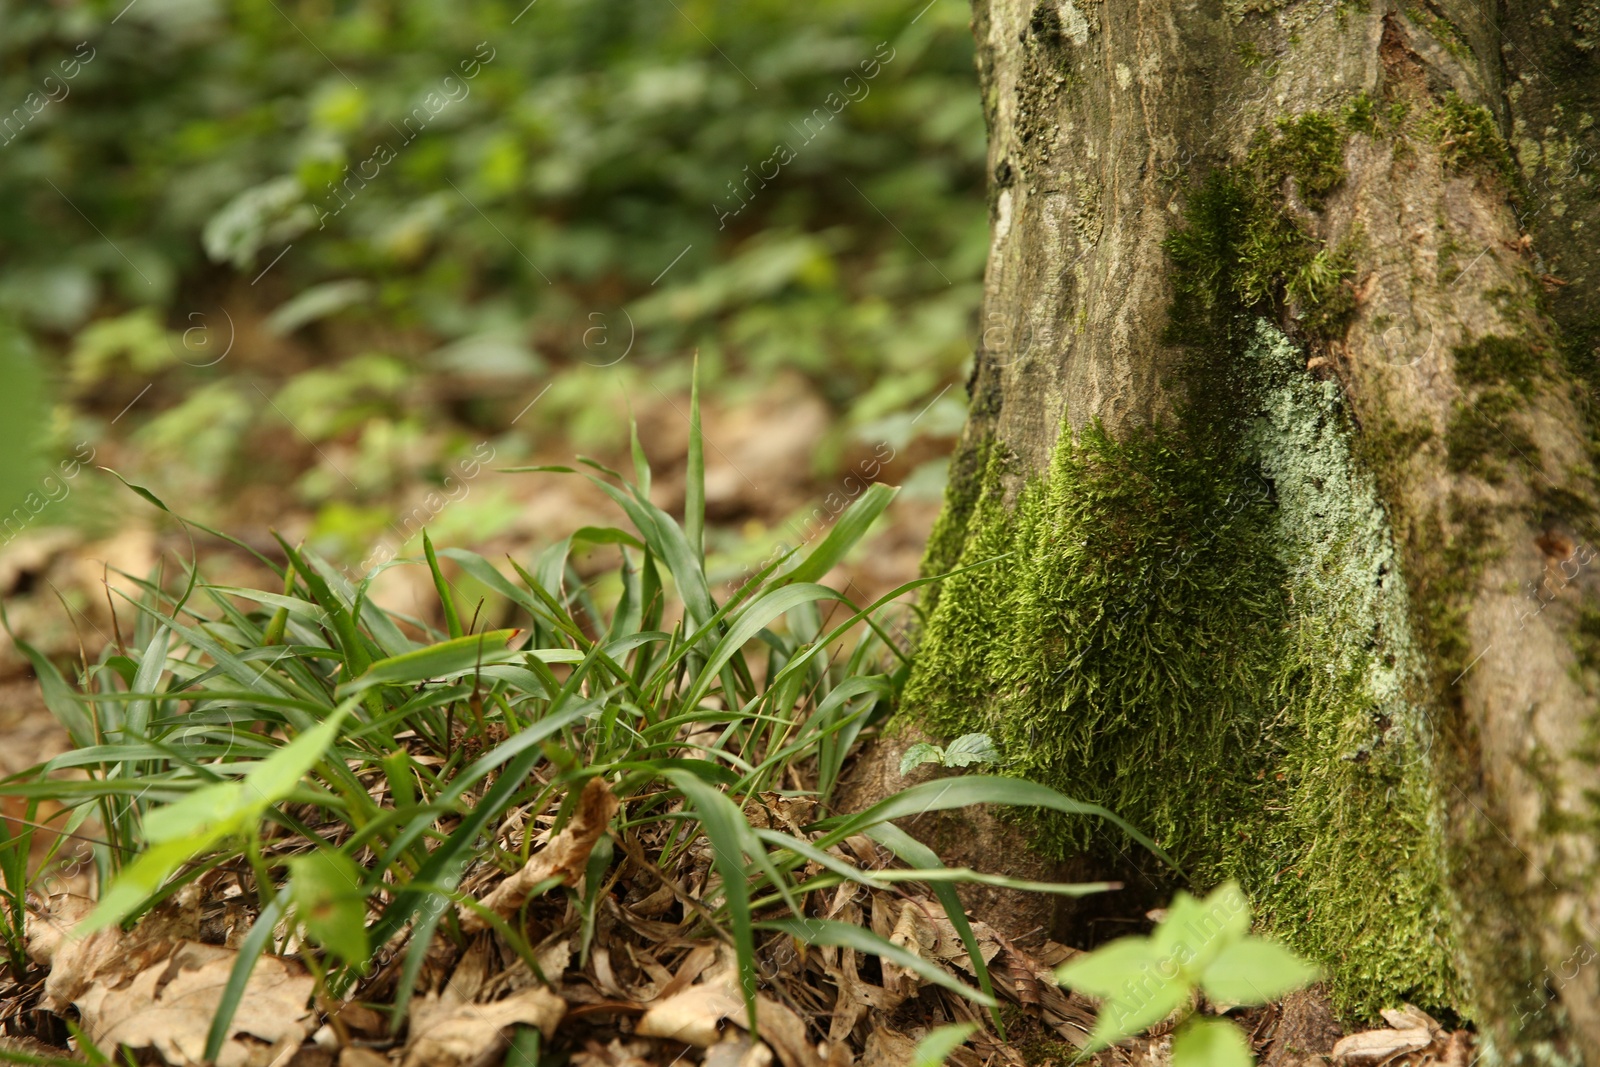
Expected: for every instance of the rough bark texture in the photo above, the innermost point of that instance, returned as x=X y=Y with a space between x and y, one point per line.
x=1289 y=256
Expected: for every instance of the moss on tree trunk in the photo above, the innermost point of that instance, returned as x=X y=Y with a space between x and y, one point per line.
x=1273 y=432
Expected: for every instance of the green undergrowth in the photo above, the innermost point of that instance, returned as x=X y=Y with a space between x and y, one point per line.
x=345 y=768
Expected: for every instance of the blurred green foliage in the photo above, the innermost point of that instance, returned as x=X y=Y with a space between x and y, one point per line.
x=435 y=207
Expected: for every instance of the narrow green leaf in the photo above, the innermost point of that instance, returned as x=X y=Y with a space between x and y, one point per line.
x=452 y=620
x=641 y=464
x=218 y=808
x=250 y=950
x=59 y=697
x=275 y=777
x=138 y=880
x=845 y=935
x=724 y=824
x=910 y=850
x=694 y=491
x=141 y=490
x=851 y=527
x=750 y=621
x=356 y=658
x=945 y=793
x=447 y=658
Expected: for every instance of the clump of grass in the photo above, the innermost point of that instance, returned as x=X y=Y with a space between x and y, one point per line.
x=302 y=734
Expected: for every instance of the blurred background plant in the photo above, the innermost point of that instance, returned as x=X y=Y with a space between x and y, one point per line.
x=287 y=261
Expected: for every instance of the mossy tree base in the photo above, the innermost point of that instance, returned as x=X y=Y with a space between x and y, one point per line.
x=1215 y=644
x=1273 y=431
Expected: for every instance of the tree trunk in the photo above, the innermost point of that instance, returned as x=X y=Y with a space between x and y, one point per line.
x=1279 y=421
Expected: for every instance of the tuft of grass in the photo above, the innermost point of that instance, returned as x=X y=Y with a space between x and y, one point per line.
x=344 y=764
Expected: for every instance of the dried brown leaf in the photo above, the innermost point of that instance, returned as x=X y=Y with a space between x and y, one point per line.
x=169 y=1006
x=564 y=857
x=1378 y=1046
x=1411 y=1017
x=444 y=1034
x=738 y=1051
x=888 y=1048
x=695 y=1015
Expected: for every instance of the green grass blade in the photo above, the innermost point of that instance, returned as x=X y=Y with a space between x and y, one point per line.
x=965 y=790
x=750 y=622
x=915 y=852
x=452 y=620
x=844 y=935
x=59 y=697
x=694 y=489
x=250 y=950
x=446 y=659
x=724 y=824
x=851 y=527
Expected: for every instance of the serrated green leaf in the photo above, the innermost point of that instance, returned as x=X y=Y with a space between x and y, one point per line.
x=1255 y=971
x=1196 y=931
x=1103 y=972
x=1138 y=987
x=1210 y=1043
x=327 y=894
x=968 y=749
x=918 y=754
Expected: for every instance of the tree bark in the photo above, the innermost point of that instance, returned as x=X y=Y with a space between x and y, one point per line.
x=1279 y=420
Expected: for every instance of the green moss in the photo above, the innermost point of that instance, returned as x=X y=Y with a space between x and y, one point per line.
x=1242 y=247
x=1309 y=148
x=1250 y=55
x=1468 y=138
x=1211 y=640
x=1443 y=30
x=1495 y=360
x=1320 y=287
x=961 y=495
x=1484 y=436
x=1361 y=114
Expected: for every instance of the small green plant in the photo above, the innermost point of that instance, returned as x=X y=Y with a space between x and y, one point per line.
x=964 y=751
x=1201 y=946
